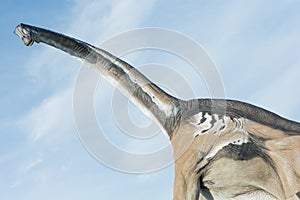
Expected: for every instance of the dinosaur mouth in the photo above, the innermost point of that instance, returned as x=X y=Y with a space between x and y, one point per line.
x=24 y=35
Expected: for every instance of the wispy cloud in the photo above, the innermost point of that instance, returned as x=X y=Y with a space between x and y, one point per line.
x=94 y=20
x=255 y=47
x=54 y=113
x=33 y=163
x=16 y=184
x=53 y=116
x=25 y=169
x=280 y=95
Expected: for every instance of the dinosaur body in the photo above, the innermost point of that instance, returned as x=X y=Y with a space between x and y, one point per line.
x=223 y=149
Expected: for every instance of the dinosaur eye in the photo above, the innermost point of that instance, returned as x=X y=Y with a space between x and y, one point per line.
x=25 y=31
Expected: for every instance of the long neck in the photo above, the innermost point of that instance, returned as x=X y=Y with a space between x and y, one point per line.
x=153 y=101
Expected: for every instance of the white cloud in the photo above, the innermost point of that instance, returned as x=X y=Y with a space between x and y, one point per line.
x=95 y=20
x=25 y=169
x=234 y=17
x=280 y=94
x=53 y=116
x=33 y=163
x=16 y=184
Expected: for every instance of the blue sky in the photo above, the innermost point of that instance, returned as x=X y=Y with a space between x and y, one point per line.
x=255 y=46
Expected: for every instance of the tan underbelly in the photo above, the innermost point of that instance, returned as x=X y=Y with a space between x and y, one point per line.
x=244 y=179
